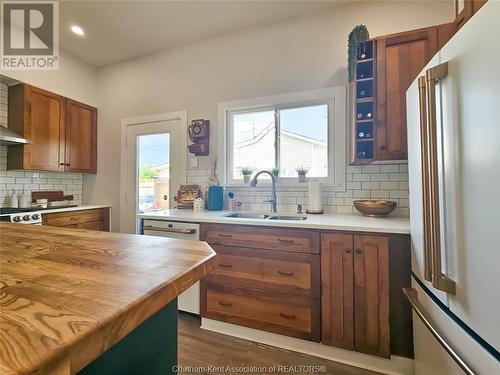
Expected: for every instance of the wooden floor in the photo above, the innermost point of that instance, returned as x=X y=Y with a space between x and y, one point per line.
x=199 y=349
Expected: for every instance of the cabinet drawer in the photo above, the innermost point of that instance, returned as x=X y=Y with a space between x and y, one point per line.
x=292 y=240
x=70 y=218
x=297 y=316
x=295 y=274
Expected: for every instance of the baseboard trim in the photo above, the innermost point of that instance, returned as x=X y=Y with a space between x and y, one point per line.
x=394 y=366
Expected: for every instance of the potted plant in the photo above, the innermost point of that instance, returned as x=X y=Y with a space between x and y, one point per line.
x=247 y=173
x=301 y=173
x=276 y=173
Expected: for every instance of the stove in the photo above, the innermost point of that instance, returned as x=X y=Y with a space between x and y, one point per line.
x=26 y=217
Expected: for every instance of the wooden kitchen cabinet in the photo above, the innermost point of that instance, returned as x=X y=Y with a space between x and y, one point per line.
x=93 y=219
x=61 y=131
x=81 y=138
x=355 y=292
x=465 y=9
x=38 y=115
x=337 y=284
x=371 y=295
x=265 y=278
x=400 y=58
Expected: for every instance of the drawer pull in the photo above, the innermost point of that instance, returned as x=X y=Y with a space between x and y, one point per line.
x=225 y=235
x=285 y=241
x=348 y=251
x=286 y=316
x=225 y=265
x=227 y=304
x=284 y=273
x=75 y=218
x=359 y=251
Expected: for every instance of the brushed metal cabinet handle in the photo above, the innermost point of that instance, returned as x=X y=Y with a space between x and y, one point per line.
x=284 y=273
x=285 y=241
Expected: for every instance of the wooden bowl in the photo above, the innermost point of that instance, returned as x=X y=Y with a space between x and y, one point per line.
x=375 y=207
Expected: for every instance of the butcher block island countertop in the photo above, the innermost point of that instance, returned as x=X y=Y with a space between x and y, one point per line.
x=69 y=295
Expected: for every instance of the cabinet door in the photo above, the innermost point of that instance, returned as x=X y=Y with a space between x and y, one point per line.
x=337 y=301
x=371 y=295
x=400 y=58
x=81 y=138
x=45 y=129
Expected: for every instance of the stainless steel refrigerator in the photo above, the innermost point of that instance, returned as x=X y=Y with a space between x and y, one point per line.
x=453 y=113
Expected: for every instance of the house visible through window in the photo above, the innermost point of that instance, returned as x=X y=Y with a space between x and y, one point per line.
x=283 y=137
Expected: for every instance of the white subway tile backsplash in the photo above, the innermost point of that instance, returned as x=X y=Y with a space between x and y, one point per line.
x=385 y=181
x=389 y=168
x=361 y=177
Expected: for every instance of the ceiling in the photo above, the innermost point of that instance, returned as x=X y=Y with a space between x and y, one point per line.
x=120 y=30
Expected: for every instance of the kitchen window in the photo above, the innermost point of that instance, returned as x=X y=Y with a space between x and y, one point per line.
x=304 y=129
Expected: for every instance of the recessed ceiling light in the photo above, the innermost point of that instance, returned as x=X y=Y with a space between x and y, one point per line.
x=77 y=30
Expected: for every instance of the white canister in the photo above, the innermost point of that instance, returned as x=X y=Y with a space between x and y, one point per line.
x=22 y=201
x=199 y=205
x=12 y=200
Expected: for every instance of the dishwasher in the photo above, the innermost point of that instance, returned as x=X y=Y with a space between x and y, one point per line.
x=189 y=301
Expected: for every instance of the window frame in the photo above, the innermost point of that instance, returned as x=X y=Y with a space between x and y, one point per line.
x=334 y=97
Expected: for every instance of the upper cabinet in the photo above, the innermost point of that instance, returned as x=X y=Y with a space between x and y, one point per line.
x=386 y=67
x=62 y=132
x=464 y=10
x=400 y=57
x=81 y=138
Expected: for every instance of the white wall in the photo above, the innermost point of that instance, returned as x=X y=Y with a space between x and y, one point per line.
x=301 y=54
x=74 y=79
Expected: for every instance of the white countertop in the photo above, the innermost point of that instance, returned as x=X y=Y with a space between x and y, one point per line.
x=76 y=208
x=348 y=222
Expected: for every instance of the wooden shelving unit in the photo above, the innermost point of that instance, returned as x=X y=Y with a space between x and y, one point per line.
x=363 y=105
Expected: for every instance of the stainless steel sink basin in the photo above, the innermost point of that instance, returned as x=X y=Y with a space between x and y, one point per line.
x=250 y=215
x=287 y=217
x=244 y=215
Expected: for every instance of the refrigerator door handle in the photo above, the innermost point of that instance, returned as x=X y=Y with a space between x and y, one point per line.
x=424 y=158
x=412 y=296
x=439 y=280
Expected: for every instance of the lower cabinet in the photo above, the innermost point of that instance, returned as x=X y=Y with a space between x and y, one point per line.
x=268 y=311
x=94 y=219
x=341 y=288
x=265 y=278
x=363 y=308
x=355 y=298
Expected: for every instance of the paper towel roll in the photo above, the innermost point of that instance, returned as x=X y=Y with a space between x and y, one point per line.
x=314 y=197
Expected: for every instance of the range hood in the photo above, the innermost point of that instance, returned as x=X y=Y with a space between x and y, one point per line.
x=8 y=137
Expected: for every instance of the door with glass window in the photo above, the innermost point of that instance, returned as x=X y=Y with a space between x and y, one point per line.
x=155 y=168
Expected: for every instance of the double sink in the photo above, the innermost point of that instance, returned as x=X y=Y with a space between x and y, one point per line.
x=248 y=215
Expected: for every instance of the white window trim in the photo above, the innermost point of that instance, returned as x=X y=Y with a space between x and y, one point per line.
x=334 y=96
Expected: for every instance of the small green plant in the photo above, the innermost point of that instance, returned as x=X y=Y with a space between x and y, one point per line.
x=302 y=170
x=358 y=35
x=246 y=171
x=275 y=171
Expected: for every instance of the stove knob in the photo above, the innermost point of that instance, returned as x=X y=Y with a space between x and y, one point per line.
x=26 y=217
x=16 y=219
x=35 y=216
